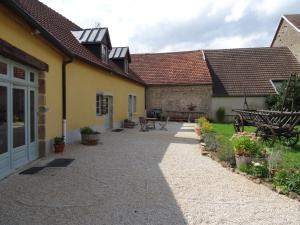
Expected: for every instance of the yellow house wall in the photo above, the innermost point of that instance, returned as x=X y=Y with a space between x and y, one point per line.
x=17 y=33
x=84 y=81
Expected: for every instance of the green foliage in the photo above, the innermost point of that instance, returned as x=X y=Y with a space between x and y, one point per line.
x=225 y=150
x=287 y=180
x=245 y=146
x=275 y=102
x=244 y=168
x=210 y=141
x=88 y=130
x=59 y=140
x=201 y=121
x=259 y=170
x=255 y=169
x=220 y=114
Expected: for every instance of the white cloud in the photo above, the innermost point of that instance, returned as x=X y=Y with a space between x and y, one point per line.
x=237 y=41
x=237 y=11
x=127 y=19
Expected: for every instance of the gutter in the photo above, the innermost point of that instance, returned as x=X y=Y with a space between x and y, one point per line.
x=64 y=97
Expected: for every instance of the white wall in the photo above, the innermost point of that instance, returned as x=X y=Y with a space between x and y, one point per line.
x=230 y=103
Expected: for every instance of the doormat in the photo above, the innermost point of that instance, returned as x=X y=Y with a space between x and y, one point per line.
x=60 y=162
x=32 y=170
x=117 y=130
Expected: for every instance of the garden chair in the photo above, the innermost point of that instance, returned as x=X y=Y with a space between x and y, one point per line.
x=164 y=124
x=143 y=124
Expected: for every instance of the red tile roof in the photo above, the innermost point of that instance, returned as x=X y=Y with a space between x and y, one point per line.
x=174 y=68
x=248 y=71
x=59 y=28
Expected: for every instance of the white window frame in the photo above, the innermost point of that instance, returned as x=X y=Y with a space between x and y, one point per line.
x=133 y=102
x=104 y=53
x=98 y=100
x=126 y=65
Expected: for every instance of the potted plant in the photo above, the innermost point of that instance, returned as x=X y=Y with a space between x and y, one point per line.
x=59 y=144
x=245 y=148
x=128 y=123
x=89 y=136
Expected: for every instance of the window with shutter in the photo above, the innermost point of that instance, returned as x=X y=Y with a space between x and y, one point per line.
x=98 y=104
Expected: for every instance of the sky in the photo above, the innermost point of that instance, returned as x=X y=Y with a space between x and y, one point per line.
x=173 y=25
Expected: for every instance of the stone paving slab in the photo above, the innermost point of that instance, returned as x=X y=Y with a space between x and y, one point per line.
x=136 y=178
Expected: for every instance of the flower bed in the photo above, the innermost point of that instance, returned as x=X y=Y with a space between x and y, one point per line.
x=244 y=153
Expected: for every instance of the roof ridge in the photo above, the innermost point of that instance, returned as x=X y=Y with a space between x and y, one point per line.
x=162 y=53
x=246 y=48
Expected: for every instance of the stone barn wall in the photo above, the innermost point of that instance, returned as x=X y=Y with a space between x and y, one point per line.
x=287 y=36
x=177 y=98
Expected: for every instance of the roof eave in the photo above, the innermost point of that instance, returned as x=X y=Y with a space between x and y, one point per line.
x=108 y=69
x=16 y=8
x=289 y=22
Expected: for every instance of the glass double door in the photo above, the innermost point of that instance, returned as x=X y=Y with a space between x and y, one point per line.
x=18 y=121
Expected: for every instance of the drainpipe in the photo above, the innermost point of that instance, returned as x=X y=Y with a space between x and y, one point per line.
x=64 y=97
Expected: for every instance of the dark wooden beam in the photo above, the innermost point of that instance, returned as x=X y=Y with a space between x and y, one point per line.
x=13 y=53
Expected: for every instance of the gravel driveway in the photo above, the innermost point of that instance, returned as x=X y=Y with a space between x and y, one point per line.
x=137 y=178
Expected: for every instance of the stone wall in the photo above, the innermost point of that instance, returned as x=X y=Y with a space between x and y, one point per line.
x=289 y=37
x=177 y=98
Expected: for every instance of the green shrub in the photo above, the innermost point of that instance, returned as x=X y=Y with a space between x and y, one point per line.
x=59 y=140
x=225 y=150
x=220 y=114
x=88 y=130
x=287 y=180
x=201 y=121
x=210 y=141
x=244 y=168
x=259 y=170
x=245 y=146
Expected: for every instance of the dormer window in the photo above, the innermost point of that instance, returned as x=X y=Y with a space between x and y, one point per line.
x=121 y=57
x=126 y=65
x=104 y=53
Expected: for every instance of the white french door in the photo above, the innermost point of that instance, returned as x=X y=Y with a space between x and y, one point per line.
x=18 y=116
x=5 y=162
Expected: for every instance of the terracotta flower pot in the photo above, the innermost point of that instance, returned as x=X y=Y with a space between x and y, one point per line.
x=198 y=131
x=59 y=148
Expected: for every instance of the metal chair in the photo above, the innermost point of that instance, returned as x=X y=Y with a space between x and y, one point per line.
x=143 y=124
x=164 y=124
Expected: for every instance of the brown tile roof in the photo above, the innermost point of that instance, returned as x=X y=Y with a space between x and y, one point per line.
x=59 y=28
x=173 y=68
x=294 y=19
x=236 y=72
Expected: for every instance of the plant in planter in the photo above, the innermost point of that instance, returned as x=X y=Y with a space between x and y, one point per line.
x=89 y=136
x=245 y=148
x=59 y=144
x=128 y=123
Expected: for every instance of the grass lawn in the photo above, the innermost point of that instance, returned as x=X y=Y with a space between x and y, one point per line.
x=291 y=158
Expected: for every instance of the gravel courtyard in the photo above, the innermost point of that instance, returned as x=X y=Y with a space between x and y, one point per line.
x=137 y=178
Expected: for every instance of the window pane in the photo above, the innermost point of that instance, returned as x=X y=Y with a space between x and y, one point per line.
x=19 y=73
x=32 y=116
x=3 y=120
x=31 y=77
x=18 y=117
x=3 y=68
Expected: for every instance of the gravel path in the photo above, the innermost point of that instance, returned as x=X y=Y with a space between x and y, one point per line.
x=137 y=178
